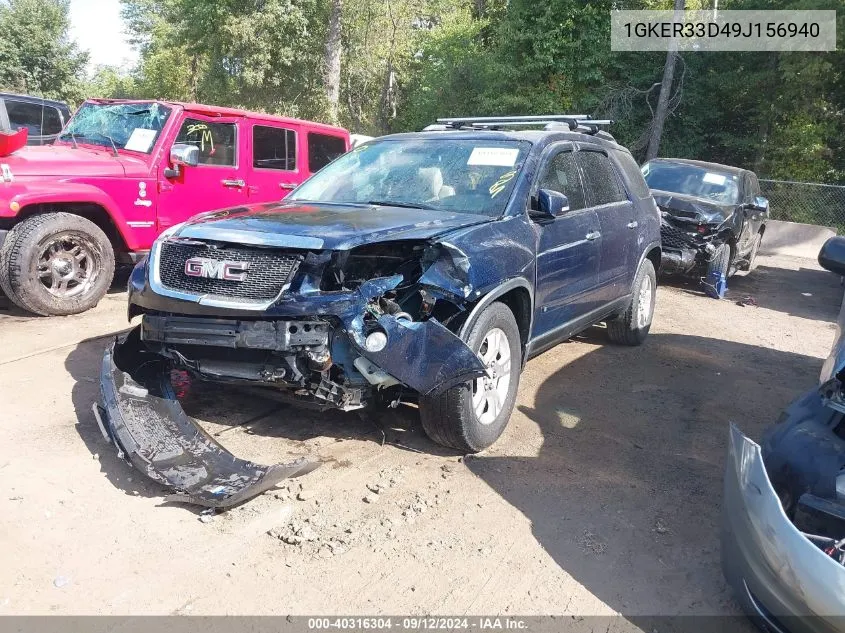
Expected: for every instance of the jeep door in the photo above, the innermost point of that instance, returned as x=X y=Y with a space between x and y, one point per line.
x=274 y=169
x=568 y=247
x=217 y=182
x=617 y=216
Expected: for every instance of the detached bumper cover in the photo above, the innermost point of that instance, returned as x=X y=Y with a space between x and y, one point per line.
x=780 y=577
x=150 y=429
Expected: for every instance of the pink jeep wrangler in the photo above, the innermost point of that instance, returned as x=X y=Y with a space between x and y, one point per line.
x=123 y=171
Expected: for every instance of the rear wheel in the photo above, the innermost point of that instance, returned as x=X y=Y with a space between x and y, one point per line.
x=56 y=264
x=471 y=416
x=632 y=326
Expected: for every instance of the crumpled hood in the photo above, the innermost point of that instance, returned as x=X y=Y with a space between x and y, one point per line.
x=693 y=208
x=63 y=160
x=323 y=226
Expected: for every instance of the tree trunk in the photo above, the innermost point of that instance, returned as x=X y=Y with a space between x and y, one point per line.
x=331 y=75
x=665 y=91
x=194 y=77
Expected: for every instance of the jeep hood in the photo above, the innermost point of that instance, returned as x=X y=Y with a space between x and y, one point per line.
x=692 y=208
x=323 y=226
x=64 y=160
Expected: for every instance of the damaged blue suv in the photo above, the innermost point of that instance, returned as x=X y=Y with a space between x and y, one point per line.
x=424 y=267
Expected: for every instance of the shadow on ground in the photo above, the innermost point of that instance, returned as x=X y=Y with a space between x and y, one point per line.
x=625 y=490
x=808 y=293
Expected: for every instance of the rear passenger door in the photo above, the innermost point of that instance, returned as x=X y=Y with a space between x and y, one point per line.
x=607 y=197
x=568 y=251
x=275 y=166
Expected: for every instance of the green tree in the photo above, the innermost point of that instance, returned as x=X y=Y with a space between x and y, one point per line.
x=37 y=55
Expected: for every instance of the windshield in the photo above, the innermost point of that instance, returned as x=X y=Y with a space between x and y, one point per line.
x=721 y=186
x=466 y=176
x=132 y=126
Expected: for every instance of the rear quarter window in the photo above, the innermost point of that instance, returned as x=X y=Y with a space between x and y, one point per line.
x=323 y=149
x=633 y=176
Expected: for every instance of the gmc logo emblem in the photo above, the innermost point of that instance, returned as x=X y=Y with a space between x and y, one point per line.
x=216 y=269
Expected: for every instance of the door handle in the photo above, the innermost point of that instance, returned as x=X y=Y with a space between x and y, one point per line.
x=593 y=235
x=287 y=185
x=633 y=225
x=233 y=183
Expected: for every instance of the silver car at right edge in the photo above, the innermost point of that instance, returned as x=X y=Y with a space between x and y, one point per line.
x=783 y=528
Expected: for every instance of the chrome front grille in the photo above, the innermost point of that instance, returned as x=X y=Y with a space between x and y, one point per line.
x=268 y=272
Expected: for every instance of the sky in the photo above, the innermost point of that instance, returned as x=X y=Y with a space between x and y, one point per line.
x=96 y=26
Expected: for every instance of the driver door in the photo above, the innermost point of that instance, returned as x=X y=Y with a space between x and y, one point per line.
x=217 y=182
x=568 y=251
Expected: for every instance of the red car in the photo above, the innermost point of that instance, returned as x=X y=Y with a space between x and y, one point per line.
x=121 y=172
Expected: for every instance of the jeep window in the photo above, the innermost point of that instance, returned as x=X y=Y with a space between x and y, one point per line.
x=600 y=179
x=132 y=126
x=323 y=149
x=467 y=176
x=692 y=180
x=38 y=120
x=273 y=148
x=561 y=175
x=216 y=141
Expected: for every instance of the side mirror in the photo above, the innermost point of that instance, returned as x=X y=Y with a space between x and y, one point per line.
x=184 y=154
x=832 y=255
x=550 y=204
x=760 y=204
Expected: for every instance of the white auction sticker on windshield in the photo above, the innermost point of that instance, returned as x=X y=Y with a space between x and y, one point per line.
x=714 y=179
x=140 y=140
x=493 y=156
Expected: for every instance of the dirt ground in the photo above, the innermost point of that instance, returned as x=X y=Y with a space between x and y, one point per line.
x=603 y=496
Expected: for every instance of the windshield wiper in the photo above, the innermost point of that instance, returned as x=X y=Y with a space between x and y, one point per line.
x=404 y=205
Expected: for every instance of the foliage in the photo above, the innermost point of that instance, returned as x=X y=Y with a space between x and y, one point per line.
x=406 y=62
x=36 y=54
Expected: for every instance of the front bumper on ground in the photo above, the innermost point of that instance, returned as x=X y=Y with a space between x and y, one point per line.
x=782 y=579
x=143 y=419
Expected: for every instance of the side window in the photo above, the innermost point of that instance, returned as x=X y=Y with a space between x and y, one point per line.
x=323 y=149
x=633 y=176
x=24 y=115
x=561 y=175
x=52 y=121
x=216 y=141
x=273 y=148
x=600 y=179
x=755 y=186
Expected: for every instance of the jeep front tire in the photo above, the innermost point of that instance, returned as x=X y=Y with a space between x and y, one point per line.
x=471 y=416
x=56 y=264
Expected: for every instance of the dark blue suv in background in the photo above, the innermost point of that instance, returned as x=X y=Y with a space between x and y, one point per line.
x=424 y=267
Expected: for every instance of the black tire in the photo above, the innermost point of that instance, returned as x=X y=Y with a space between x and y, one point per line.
x=631 y=327
x=718 y=265
x=450 y=419
x=21 y=255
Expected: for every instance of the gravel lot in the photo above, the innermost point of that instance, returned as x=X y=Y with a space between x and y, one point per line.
x=603 y=496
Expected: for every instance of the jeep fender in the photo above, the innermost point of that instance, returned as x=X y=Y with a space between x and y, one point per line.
x=60 y=193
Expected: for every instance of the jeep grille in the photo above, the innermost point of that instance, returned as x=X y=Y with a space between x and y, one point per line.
x=268 y=273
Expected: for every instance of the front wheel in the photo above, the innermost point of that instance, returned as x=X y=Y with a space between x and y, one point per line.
x=56 y=264
x=471 y=416
x=632 y=326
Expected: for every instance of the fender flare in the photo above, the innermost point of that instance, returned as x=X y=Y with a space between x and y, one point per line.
x=491 y=296
x=76 y=193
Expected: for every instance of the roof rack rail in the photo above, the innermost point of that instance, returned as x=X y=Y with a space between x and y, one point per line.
x=580 y=122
